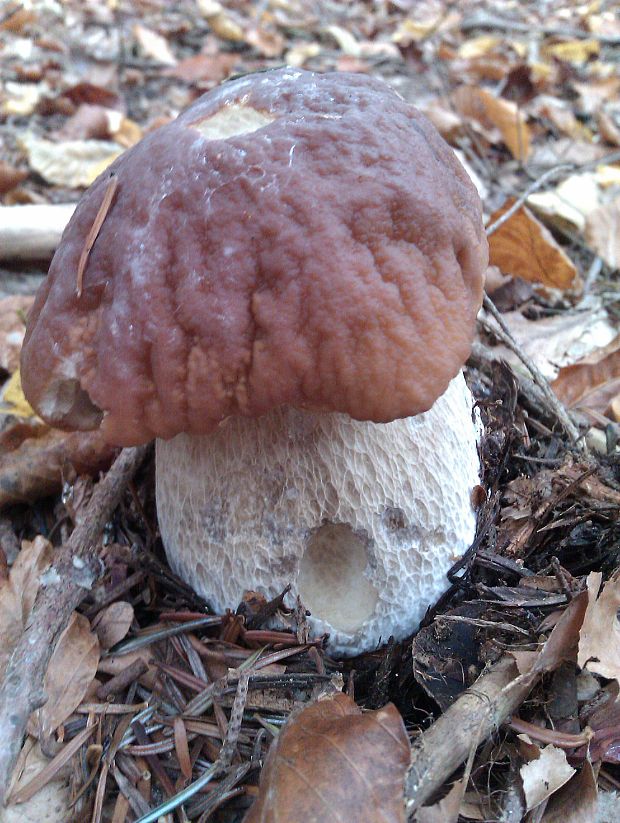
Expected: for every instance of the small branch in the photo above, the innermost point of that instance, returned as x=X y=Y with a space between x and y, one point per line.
x=32 y=232
x=77 y=566
x=484 y=20
x=475 y=715
x=504 y=334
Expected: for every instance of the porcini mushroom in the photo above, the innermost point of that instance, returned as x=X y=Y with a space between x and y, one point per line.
x=281 y=287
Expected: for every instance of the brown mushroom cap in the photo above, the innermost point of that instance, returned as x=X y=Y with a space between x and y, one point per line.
x=325 y=253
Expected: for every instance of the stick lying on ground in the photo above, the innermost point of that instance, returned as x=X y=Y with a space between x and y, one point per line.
x=476 y=714
x=32 y=232
x=77 y=567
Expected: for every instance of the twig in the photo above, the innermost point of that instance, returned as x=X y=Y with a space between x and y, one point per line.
x=437 y=752
x=76 y=567
x=504 y=334
x=520 y=201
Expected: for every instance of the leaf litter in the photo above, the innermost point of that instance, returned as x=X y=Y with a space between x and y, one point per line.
x=152 y=705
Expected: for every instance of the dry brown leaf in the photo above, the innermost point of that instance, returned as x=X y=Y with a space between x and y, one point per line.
x=608 y=127
x=10 y=177
x=523 y=247
x=209 y=68
x=576 y=384
x=599 y=639
x=220 y=21
x=481 y=105
x=576 y=801
x=13 y=312
x=445 y=810
x=267 y=41
x=33 y=457
x=563 y=119
x=602 y=232
x=558 y=341
x=18 y=593
x=51 y=803
x=89 y=122
x=70 y=672
x=73 y=163
x=545 y=775
x=596 y=92
x=154 y=45
x=112 y=623
x=333 y=762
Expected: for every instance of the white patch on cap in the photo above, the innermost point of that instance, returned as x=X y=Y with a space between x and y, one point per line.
x=231 y=121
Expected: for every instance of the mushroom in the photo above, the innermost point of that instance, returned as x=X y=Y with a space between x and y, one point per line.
x=281 y=287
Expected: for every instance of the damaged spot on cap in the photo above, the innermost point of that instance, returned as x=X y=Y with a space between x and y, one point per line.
x=66 y=403
x=232 y=120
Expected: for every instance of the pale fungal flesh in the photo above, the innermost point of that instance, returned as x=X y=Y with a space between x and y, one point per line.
x=362 y=519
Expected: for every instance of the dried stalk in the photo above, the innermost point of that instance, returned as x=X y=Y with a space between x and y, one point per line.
x=476 y=714
x=76 y=567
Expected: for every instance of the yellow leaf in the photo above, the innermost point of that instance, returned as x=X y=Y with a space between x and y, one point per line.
x=573 y=51
x=571 y=202
x=478 y=46
x=14 y=397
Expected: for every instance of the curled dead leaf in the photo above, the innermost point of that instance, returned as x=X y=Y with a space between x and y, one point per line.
x=18 y=593
x=523 y=247
x=479 y=104
x=358 y=765
x=112 y=623
x=545 y=775
x=70 y=672
x=599 y=639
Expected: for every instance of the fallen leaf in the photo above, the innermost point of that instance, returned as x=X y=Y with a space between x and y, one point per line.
x=599 y=639
x=576 y=801
x=210 y=68
x=608 y=127
x=112 y=623
x=558 y=341
x=299 y=55
x=74 y=163
x=18 y=593
x=445 y=810
x=221 y=23
x=545 y=775
x=89 y=122
x=13 y=312
x=602 y=232
x=596 y=92
x=333 y=762
x=562 y=117
x=93 y=94
x=478 y=46
x=573 y=51
x=523 y=247
x=71 y=670
x=33 y=458
x=51 y=803
x=13 y=399
x=481 y=105
x=576 y=382
x=154 y=45
x=267 y=41
x=10 y=177
x=571 y=202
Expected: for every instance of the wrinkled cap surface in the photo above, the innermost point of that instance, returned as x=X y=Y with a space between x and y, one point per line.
x=292 y=238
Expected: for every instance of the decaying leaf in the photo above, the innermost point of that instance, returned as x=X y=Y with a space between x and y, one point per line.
x=74 y=163
x=112 y=623
x=154 y=45
x=570 y=202
x=576 y=383
x=558 y=341
x=576 y=801
x=602 y=232
x=481 y=105
x=333 y=762
x=599 y=639
x=51 y=803
x=70 y=672
x=545 y=775
x=10 y=177
x=18 y=593
x=445 y=810
x=33 y=457
x=13 y=311
x=523 y=247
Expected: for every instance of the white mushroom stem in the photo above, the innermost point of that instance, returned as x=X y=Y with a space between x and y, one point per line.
x=32 y=232
x=362 y=519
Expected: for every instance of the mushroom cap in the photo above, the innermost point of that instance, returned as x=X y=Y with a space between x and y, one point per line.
x=292 y=238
